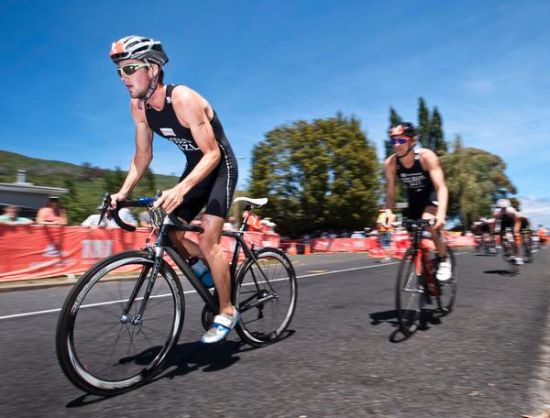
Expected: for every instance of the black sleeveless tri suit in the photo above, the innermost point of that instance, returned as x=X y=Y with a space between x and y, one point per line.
x=420 y=189
x=216 y=190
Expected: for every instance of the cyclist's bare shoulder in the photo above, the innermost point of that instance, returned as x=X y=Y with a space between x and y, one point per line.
x=428 y=158
x=186 y=100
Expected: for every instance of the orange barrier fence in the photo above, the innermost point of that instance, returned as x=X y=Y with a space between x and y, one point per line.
x=344 y=244
x=399 y=244
x=39 y=251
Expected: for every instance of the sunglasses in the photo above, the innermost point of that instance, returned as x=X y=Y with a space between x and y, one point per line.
x=130 y=69
x=401 y=140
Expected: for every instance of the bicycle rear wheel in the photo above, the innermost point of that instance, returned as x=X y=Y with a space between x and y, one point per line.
x=447 y=289
x=105 y=352
x=409 y=294
x=508 y=255
x=265 y=295
x=527 y=250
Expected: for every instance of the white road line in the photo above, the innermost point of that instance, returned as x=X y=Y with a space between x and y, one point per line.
x=26 y=314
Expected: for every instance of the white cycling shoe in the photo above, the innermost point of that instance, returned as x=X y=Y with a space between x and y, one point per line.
x=220 y=328
x=444 y=271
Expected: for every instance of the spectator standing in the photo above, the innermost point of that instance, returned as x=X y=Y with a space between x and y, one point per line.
x=384 y=225
x=52 y=213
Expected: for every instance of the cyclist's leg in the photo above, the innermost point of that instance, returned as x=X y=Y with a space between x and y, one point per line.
x=217 y=207
x=192 y=204
x=214 y=255
x=429 y=213
x=219 y=199
x=444 y=269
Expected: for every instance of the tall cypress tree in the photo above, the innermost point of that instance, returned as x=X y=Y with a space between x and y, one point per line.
x=395 y=119
x=436 y=134
x=423 y=124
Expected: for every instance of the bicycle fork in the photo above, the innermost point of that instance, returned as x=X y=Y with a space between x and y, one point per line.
x=144 y=276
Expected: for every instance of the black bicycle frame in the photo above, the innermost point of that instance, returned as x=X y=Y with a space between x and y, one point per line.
x=163 y=243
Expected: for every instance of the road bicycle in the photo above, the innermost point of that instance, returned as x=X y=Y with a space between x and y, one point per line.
x=507 y=243
x=527 y=245
x=484 y=244
x=417 y=284
x=125 y=314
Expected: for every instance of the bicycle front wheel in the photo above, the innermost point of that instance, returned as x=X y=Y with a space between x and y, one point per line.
x=104 y=347
x=409 y=294
x=265 y=295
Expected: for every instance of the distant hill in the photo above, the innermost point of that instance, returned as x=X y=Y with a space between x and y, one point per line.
x=55 y=173
x=85 y=182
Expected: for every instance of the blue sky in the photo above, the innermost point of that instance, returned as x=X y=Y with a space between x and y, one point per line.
x=485 y=65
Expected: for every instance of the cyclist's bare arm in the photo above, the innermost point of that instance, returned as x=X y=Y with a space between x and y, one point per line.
x=389 y=171
x=517 y=220
x=193 y=112
x=143 y=152
x=430 y=163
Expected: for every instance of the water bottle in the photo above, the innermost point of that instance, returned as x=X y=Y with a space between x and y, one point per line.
x=201 y=271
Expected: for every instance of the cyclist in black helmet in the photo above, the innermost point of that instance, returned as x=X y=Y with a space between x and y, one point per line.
x=421 y=173
x=184 y=117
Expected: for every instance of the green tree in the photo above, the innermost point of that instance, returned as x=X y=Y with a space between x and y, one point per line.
x=113 y=180
x=319 y=175
x=423 y=124
x=147 y=184
x=71 y=202
x=395 y=119
x=474 y=178
x=436 y=134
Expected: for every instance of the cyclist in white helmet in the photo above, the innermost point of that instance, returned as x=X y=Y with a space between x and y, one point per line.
x=507 y=217
x=184 y=117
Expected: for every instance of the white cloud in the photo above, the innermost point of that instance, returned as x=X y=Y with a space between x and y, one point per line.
x=536 y=209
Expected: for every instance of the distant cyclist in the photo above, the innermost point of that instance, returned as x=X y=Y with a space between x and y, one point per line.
x=187 y=119
x=421 y=174
x=506 y=217
x=542 y=234
x=482 y=231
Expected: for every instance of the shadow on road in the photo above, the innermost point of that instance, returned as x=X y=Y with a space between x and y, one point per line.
x=501 y=272
x=186 y=358
x=427 y=318
x=384 y=316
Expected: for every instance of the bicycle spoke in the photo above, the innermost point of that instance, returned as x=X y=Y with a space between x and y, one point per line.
x=112 y=348
x=267 y=309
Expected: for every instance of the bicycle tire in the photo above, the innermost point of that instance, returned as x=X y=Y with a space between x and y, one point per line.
x=81 y=358
x=447 y=290
x=410 y=283
x=527 y=251
x=264 y=314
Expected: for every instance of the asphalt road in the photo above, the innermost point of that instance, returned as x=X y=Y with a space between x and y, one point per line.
x=344 y=358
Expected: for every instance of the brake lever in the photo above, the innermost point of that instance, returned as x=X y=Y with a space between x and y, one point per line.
x=105 y=209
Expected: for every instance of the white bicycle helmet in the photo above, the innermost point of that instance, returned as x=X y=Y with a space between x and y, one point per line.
x=503 y=203
x=139 y=48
